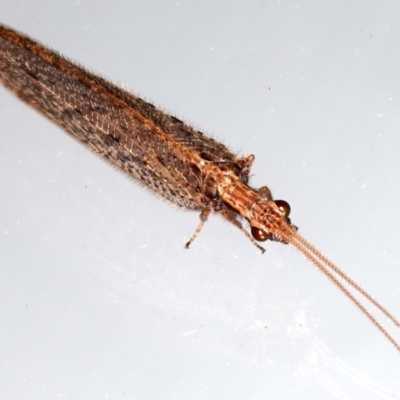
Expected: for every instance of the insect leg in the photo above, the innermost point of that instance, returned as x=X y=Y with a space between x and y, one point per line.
x=232 y=218
x=203 y=218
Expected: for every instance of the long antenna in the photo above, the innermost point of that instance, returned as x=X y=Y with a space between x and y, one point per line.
x=339 y=278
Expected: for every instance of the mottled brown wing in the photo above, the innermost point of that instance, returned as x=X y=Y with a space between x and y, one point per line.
x=100 y=116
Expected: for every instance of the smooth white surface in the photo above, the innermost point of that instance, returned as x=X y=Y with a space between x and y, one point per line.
x=98 y=297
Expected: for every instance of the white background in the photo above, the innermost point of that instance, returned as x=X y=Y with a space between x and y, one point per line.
x=98 y=297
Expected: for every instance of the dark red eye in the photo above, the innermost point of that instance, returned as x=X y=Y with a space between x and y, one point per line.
x=259 y=234
x=283 y=206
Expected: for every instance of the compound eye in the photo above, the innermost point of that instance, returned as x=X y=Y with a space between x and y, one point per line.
x=259 y=234
x=283 y=206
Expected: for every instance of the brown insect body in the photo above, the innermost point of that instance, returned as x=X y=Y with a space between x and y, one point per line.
x=171 y=158
x=174 y=160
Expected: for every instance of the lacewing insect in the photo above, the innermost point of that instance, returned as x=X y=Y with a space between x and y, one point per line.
x=164 y=154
